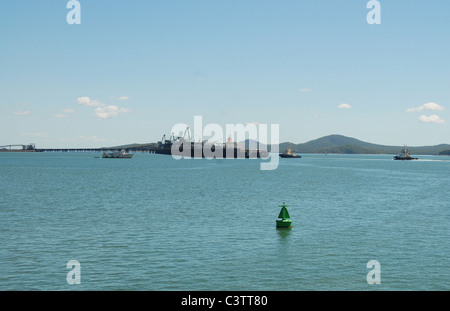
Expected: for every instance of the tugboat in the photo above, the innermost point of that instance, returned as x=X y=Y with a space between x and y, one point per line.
x=284 y=222
x=289 y=154
x=118 y=155
x=404 y=155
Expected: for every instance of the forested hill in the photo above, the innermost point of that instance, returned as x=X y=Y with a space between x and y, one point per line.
x=348 y=145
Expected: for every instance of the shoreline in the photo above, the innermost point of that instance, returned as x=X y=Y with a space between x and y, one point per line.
x=147 y=151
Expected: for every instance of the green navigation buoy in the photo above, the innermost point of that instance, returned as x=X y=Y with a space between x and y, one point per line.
x=284 y=222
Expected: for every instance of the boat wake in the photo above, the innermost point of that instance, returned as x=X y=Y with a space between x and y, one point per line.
x=432 y=160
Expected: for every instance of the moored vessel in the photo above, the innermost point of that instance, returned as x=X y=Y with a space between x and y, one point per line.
x=117 y=155
x=183 y=146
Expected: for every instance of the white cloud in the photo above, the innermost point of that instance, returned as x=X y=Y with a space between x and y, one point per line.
x=60 y=115
x=123 y=98
x=427 y=106
x=344 y=106
x=86 y=101
x=305 y=90
x=109 y=111
x=431 y=119
x=102 y=111
x=22 y=113
x=83 y=100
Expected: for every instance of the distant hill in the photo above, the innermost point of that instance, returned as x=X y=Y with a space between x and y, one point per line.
x=348 y=145
x=332 y=144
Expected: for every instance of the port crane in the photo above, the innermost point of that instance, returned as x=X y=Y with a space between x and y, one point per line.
x=186 y=137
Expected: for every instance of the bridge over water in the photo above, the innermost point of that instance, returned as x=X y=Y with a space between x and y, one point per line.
x=93 y=149
x=32 y=148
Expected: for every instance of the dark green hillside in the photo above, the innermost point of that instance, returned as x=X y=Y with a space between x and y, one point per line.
x=348 y=149
x=348 y=145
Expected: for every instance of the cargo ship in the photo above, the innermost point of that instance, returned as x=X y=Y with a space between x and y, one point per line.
x=197 y=149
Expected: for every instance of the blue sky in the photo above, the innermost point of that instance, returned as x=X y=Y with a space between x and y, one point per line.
x=133 y=69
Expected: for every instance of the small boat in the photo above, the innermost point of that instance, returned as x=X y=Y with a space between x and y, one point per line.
x=289 y=154
x=118 y=155
x=285 y=222
x=404 y=155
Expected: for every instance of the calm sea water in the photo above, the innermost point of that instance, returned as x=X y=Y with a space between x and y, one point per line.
x=155 y=223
